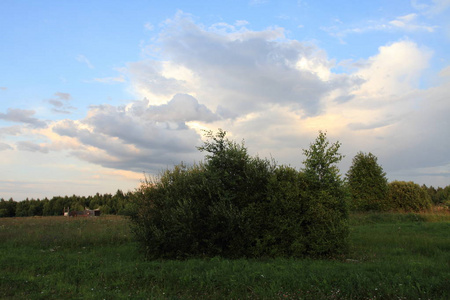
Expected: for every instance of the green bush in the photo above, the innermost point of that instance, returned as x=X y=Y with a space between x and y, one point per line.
x=234 y=205
x=367 y=183
x=407 y=197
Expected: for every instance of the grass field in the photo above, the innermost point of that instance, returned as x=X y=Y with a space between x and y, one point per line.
x=393 y=256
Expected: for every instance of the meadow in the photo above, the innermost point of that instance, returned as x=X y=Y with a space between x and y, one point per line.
x=392 y=256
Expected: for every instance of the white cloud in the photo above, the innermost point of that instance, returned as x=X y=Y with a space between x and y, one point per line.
x=434 y=8
x=395 y=70
x=85 y=60
x=240 y=23
x=149 y=26
x=117 y=79
x=408 y=23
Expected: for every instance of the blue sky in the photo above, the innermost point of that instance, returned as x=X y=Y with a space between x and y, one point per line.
x=94 y=93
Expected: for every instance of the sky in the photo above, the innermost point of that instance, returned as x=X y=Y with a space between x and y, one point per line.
x=96 y=95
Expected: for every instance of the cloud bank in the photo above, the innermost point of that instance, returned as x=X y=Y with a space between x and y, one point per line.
x=272 y=91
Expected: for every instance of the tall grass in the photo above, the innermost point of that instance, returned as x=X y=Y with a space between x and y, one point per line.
x=392 y=257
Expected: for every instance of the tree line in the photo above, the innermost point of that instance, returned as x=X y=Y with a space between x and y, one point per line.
x=118 y=204
x=369 y=189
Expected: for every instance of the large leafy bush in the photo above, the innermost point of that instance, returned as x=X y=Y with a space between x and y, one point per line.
x=235 y=205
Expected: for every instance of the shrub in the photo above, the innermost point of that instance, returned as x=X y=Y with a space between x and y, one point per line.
x=234 y=205
x=367 y=183
x=407 y=196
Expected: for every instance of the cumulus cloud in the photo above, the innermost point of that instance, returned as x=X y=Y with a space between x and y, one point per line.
x=238 y=70
x=22 y=116
x=396 y=69
x=139 y=136
x=149 y=81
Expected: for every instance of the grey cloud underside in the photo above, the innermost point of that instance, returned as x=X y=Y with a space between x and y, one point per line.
x=61 y=103
x=182 y=108
x=4 y=146
x=11 y=130
x=22 y=116
x=369 y=126
x=63 y=96
x=139 y=137
x=32 y=147
x=144 y=161
x=56 y=103
x=420 y=138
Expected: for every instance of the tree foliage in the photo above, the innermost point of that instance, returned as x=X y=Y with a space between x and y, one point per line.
x=321 y=163
x=439 y=196
x=328 y=209
x=367 y=183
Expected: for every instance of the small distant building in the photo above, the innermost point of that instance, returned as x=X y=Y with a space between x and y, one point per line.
x=82 y=213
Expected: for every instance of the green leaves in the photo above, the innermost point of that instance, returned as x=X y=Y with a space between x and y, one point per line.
x=321 y=160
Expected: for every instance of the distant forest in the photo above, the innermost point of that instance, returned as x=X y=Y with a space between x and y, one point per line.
x=119 y=204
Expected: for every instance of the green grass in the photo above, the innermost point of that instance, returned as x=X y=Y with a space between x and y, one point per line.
x=393 y=256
